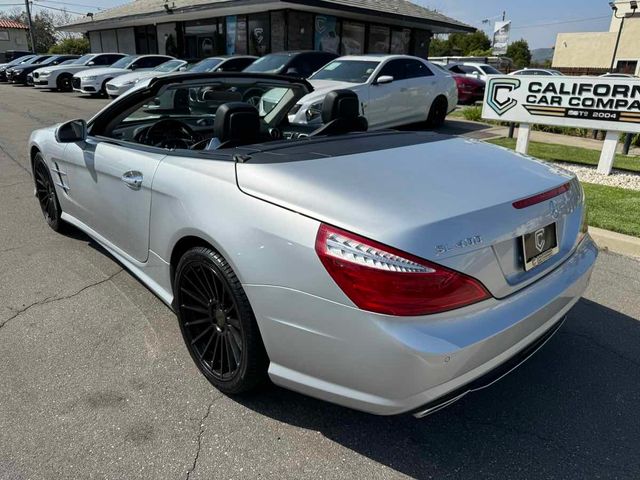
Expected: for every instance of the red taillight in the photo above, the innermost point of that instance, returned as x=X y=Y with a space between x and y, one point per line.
x=384 y=280
x=541 y=197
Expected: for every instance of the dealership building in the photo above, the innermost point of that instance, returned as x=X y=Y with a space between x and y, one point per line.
x=202 y=28
x=620 y=45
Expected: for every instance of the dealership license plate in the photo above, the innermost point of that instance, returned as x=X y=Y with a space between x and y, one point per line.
x=539 y=246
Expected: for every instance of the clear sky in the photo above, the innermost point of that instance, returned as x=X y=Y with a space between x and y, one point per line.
x=531 y=19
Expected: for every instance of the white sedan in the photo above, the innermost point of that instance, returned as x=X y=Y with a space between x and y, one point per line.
x=122 y=83
x=94 y=81
x=393 y=90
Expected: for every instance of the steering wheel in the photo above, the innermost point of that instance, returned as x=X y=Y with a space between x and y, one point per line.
x=169 y=133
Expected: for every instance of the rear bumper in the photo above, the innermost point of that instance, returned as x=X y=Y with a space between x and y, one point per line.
x=388 y=365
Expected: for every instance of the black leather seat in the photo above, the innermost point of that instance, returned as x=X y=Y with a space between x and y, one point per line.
x=236 y=124
x=341 y=114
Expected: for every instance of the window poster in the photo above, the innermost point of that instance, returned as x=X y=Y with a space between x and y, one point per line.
x=327 y=38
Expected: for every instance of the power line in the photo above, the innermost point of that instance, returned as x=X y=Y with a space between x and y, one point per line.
x=69 y=3
x=515 y=27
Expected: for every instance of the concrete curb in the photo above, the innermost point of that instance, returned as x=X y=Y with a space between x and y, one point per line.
x=616 y=242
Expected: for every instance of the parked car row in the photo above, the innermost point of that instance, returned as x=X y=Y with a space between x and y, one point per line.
x=393 y=90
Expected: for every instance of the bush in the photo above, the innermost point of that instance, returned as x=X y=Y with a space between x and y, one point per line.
x=571 y=131
x=71 y=46
x=473 y=114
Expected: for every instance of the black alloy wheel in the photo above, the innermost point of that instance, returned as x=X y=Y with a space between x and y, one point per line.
x=217 y=322
x=64 y=83
x=437 y=113
x=46 y=194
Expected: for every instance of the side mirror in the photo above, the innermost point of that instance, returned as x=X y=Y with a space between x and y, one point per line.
x=292 y=71
x=72 y=132
x=91 y=64
x=183 y=69
x=381 y=80
x=133 y=67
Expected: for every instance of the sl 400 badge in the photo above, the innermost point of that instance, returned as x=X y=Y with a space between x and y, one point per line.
x=459 y=245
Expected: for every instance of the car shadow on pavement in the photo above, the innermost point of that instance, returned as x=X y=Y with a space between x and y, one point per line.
x=569 y=412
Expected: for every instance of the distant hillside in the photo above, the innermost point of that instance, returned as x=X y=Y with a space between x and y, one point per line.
x=540 y=55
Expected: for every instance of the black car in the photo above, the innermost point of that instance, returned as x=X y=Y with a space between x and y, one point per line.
x=11 y=55
x=11 y=64
x=300 y=64
x=16 y=70
x=19 y=73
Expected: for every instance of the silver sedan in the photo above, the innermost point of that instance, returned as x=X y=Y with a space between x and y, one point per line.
x=389 y=272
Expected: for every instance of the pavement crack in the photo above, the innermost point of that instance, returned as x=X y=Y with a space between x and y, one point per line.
x=52 y=298
x=199 y=439
x=13 y=159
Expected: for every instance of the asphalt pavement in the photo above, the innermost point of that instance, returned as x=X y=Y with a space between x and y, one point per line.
x=95 y=381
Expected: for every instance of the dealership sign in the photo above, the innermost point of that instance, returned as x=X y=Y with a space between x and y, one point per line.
x=611 y=104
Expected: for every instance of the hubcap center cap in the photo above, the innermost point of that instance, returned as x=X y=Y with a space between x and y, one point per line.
x=219 y=318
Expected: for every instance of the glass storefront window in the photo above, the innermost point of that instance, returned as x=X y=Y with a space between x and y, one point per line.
x=327 y=38
x=400 y=41
x=352 y=38
x=300 y=31
x=241 y=35
x=378 y=41
x=277 y=32
x=202 y=39
x=421 y=44
x=259 y=34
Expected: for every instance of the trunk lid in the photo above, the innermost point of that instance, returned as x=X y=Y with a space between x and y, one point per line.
x=445 y=199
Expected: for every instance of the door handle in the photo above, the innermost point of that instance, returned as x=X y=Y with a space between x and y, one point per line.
x=132 y=179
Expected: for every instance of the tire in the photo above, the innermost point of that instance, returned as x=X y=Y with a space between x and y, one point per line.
x=217 y=322
x=46 y=194
x=437 y=113
x=63 y=82
x=103 y=90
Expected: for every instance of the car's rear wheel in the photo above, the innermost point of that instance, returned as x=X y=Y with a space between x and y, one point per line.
x=437 y=113
x=64 y=83
x=46 y=194
x=217 y=323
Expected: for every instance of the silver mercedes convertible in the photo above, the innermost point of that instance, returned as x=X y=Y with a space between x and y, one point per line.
x=386 y=271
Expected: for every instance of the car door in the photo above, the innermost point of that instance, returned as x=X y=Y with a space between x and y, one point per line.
x=387 y=103
x=109 y=190
x=422 y=89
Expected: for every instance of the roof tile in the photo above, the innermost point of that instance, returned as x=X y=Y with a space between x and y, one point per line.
x=12 y=24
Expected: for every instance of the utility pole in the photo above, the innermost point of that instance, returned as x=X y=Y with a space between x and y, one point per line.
x=33 y=42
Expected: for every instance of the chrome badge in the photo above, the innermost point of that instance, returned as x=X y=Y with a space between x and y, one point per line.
x=459 y=245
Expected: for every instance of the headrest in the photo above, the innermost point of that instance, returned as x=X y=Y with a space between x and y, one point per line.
x=340 y=104
x=237 y=121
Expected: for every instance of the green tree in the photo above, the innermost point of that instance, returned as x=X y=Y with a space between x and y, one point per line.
x=520 y=54
x=461 y=44
x=73 y=46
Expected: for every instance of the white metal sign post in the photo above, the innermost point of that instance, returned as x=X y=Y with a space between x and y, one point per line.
x=610 y=104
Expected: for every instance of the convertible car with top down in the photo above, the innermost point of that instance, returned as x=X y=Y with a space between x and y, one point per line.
x=385 y=271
